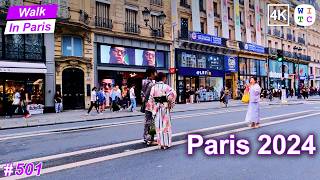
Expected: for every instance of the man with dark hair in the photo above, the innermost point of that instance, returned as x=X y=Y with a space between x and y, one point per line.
x=147 y=84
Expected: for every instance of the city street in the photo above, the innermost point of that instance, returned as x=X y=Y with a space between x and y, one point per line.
x=113 y=149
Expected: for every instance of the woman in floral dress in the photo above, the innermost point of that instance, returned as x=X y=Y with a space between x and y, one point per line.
x=161 y=101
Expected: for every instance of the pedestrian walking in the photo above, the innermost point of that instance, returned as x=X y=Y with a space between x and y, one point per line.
x=192 y=93
x=15 y=107
x=93 y=101
x=197 y=96
x=115 y=98
x=147 y=84
x=58 y=102
x=107 y=97
x=253 y=113
x=133 y=101
x=161 y=101
x=101 y=100
x=187 y=94
x=224 y=96
x=24 y=104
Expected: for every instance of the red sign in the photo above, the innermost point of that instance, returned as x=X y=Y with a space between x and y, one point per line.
x=172 y=70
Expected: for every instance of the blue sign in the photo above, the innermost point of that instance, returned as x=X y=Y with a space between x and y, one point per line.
x=205 y=38
x=253 y=48
x=231 y=64
x=186 y=71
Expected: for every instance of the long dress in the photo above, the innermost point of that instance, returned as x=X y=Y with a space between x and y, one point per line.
x=253 y=113
x=161 y=111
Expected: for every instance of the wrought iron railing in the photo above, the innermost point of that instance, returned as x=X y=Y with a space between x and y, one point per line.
x=276 y=32
x=103 y=22
x=301 y=40
x=22 y=52
x=158 y=33
x=156 y=2
x=289 y=37
x=132 y=28
x=184 y=3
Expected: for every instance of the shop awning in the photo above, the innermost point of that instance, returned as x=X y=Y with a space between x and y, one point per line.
x=22 y=67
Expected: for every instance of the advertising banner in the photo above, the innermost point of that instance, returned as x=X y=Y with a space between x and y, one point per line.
x=237 y=24
x=196 y=16
x=225 y=19
x=130 y=56
x=258 y=21
x=231 y=64
x=247 y=21
x=210 y=17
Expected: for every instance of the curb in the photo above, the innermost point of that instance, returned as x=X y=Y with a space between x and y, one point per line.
x=288 y=104
x=100 y=119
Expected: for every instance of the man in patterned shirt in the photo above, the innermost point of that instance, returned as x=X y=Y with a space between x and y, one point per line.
x=147 y=84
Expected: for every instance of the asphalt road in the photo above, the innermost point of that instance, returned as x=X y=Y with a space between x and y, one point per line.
x=170 y=164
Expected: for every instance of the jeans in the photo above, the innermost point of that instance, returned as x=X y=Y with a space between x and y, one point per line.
x=58 y=107
x=133 y=104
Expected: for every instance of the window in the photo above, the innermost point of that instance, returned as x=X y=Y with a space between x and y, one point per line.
x=202 y=27
x=269 y=44
x=184 y=28
x=311 y=70
x=241 y=17
x=229 y=14
x=276 y=45
x=251 y=20
x=289 y=48
x=103 y=15
x=230 y=33
x=72 y=46
x=201 y=5
x=216 y=31
x=155 y=21
x=131 y=21
x=215 y=8
x=202 y=61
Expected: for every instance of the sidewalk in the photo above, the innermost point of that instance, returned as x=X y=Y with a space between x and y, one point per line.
x=80 y=115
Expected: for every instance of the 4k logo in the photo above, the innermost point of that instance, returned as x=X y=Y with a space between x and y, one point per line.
x=278 y=15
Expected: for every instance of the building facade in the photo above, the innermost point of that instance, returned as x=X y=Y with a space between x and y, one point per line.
x=26 y=65
x=124 y=47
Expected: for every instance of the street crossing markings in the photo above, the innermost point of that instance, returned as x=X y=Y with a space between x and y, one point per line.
x=109 y=125
x=113 y=146
x=148 y=149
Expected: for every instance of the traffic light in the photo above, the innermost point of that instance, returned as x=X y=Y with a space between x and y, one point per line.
x=280 y=57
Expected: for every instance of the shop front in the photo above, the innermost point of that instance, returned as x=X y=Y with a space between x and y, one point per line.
x=275 y=74
x=126 y=65
x=252 y=67
x=252 y=62
x=202 y=72
x=30 y=81
x=302 y=75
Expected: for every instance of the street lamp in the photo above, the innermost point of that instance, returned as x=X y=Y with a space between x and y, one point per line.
x=298 y=49
x=156 y=29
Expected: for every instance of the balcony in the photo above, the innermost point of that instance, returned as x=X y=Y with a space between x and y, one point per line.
x=301 y=40
x=272 y=51
x=184 y=35
x=63 y=8
x=276 y=33
x=22 y=52
x=84 y=17
x=287 y=54
x=156 y=2
x=157 y=33
x=132 y=28
x=103 y=22
x=289 y=37
x=184 y=4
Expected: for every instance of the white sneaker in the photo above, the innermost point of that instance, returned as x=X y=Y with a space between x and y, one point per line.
x=100 y=114
x=87 y=114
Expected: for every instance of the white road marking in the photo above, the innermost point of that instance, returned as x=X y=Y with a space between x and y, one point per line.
x=101 y=148
x=139 y=151
x=107 y=125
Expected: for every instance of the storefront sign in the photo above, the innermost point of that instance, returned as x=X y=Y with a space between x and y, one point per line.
x=205 y=38
x=45 y=23
x=231 y=64
x=311 y=76
x=172 y=70
x=278 y=75
x=184 y=71
x=303 y=78
x=252 y=47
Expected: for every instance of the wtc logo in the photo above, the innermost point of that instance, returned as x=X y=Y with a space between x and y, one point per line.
x=278 y=14
x=304 y=15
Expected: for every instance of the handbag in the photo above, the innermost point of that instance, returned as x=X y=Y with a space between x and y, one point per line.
x=246 y=98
